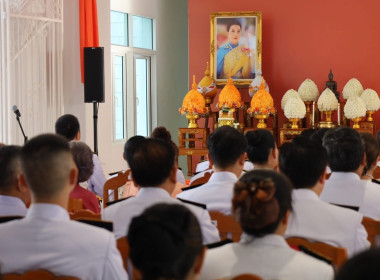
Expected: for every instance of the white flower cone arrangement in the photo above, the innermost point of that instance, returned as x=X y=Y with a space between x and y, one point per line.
x=295 y=110
x=308 y=91
x=355 y=109
x=371 y=101
x=287 y=95
x=352 y=88
x=327 y=103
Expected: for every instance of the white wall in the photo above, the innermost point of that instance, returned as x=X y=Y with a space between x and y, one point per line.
x=171 y=82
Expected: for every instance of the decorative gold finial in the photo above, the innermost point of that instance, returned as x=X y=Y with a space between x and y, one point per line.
x=207 y=72
x=230 y=81
x=262 y=85
x=194 y=86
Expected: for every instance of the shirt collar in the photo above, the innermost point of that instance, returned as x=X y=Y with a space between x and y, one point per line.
x=335 y=175
x=12 y=200
x=47 y=211
x=222 y=176
x=269 y=239
x=304 y=194
x=156 y=192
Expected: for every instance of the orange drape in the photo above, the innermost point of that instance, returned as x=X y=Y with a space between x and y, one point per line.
x=88 y=21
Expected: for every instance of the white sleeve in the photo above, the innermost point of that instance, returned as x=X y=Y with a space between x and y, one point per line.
x=113 y=266
x=97 y=180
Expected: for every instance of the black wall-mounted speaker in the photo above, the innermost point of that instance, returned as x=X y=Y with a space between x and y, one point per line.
x=93 y=74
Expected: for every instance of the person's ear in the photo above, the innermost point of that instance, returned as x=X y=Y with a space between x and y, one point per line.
x=73 y=176
x=21 y=184
x=199 y=261
x=322 y=179
x=210 y=161
x=285 y=219
x=242 y=158
x=77 y=136
x=364 y=160
x=173 y=173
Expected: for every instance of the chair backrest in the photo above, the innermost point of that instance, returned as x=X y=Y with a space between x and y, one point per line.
x=40 y=274
x=113 y=184
x=247 y=277
x=227 y=226
x=85 y=214
x=201 y=180
x=75 y=204
x=373 y=229
x=376 y=173
x=337 y=255
x=123 y=247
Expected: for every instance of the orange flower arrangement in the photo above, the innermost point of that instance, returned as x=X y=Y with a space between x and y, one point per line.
x=262 y=102
x=193 y=103
x=229 y=97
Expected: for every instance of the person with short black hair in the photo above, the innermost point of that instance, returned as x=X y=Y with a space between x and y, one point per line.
x=14 y=196
x=154 y=170
x=372 y=156
x=261 y=204
x=304 y=162
x=68 y=126
x=227 y=149
x=363 y=266
x=46 y=238
x=166 y=243
x=346 y=154
x=83 y=159
x=262 y=149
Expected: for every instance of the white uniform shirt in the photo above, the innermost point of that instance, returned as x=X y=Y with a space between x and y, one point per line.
x=217 y=193
x=47 y=239
x=317 y=220
x=121 y=213
x=269 y=257
x=96 y=182
x=12 y=206
x=346 y=188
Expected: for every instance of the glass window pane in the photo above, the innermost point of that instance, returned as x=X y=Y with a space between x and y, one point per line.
x=118 y=93
x=142 y=97
x=119 y=28
x=142 y=32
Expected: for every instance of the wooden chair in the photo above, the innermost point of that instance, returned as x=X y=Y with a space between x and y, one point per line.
x=373 y=229
x=123 y=247
x=40 y=274
x=227 y=226
x=75 y=204
x=337 y=255
x=376 y=173
x=201 y=180
x=247 y=277
x=85 y=214
x=113 y=184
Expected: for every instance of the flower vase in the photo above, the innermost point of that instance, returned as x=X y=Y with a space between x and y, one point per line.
x=261 y=118
x=192 y=120
x=369 y=115
x=356 y=122
x=328 y=116
x=294 y=122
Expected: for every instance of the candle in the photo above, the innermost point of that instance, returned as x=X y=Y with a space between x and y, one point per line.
x=312 y=122
x=338 y=113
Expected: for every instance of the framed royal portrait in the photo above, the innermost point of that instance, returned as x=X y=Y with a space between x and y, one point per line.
x=235 y=48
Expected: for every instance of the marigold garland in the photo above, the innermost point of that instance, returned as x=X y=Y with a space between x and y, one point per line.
x=262 y=102
x=193 y=103
x=229 y=97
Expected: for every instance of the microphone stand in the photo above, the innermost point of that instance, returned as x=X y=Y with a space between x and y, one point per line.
x=22 y=130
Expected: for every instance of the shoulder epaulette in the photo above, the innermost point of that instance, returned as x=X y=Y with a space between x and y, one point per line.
x=116 y=201
x=314 y=254
x=193 y=203
x=219 y=244
x=355 y=208
x=191 y=187
x=376 y=181
x=196 y=173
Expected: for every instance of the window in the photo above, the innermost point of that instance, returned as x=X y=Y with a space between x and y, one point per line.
x=132 y=47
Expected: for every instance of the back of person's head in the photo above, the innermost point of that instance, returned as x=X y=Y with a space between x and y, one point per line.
x=318 y=135
x=67 y=126
x=371 y=150
x=308 y=132
x=261 y=200
x=46 y=163
x=363 y=266
x=225 y=146
x=83 y=159
x=163 y=134
x=10 y=167
x=260 y=144
x=378 y=137
x=345 y=149
x=303 y=161
x=130 y=145
x=165 y=241
x=151 y=162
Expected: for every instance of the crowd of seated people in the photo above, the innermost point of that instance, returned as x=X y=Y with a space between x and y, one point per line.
x=168 y=226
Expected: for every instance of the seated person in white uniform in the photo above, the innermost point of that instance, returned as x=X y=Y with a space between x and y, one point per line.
x=304 y=162
x=68 y=127
x=372 y=156
x=46 y=238
x=363 y=266
x=261 y=204
x=169 y=228
x=345 y=150
x=226 y=147
x=153 y=168
x=14 y=196
x=262 y=150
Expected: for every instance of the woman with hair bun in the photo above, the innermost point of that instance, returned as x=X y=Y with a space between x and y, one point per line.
x=166 y=243
x=261 y=204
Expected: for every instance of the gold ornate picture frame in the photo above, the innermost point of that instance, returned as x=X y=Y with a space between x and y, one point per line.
x=235 y=48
